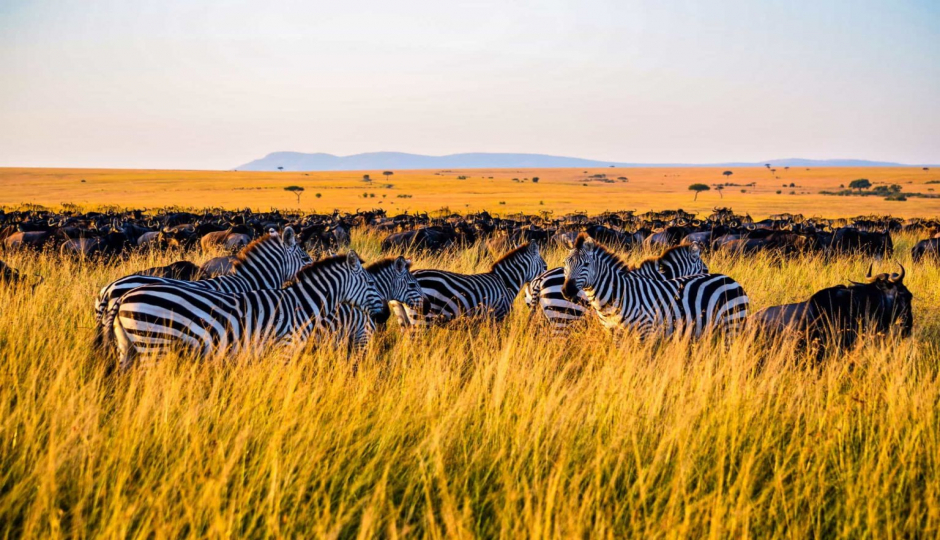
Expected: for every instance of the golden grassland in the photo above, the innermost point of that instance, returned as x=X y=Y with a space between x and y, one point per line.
x=558 y=190
x=475 y=430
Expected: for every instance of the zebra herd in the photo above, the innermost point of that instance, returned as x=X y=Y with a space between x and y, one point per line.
x=278 y=298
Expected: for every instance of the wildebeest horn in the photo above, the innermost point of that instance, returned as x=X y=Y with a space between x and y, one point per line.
x=898 y=278
x=870 y=266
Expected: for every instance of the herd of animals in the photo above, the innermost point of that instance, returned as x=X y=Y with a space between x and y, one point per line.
x=271 y=293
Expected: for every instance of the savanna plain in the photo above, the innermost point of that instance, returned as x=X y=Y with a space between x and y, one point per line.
x=473 y=430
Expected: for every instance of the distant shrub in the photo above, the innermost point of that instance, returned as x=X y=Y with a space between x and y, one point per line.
x=779 y=192
x=535 y=179
x=318 y=195
x=502 y=202
x=896 y=197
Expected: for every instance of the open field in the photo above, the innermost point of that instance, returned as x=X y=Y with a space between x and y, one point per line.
x=462 y=432
x=558 y=190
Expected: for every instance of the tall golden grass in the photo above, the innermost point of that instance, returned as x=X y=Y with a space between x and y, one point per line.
x=475 y=430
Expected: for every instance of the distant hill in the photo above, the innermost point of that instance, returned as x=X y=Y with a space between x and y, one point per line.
x=298 y=161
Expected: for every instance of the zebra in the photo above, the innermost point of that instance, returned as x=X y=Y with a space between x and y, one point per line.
x=691 y=304
x=353 y=327
x=450 y=295
x=153 y=318
x=266 y=263
x=545 y=291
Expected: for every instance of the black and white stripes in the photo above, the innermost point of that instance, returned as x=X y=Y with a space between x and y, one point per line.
x=544 y=292
x=353 y=327
x=450 y=295
x=692 y=305
x=266 y=263
x=156 y=317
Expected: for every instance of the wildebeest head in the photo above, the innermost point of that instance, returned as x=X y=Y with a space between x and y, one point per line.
x=880 y=304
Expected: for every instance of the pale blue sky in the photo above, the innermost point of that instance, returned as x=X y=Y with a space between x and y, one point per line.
x=190 y=84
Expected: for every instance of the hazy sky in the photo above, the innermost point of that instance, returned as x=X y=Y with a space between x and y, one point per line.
x=190 y=84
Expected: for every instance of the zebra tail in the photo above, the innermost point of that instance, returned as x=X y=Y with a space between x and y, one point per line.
x=104 y=334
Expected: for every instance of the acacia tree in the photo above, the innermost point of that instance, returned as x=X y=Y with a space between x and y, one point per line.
x=387 y=174
x=297 y=191
x=698 y=188
x=860 y=184
x=727 y=174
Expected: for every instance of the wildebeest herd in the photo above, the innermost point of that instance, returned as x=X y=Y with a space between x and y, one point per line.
x=269 y=292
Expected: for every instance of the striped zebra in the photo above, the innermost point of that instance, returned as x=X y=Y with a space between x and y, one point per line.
x=154 y=318
x=265 y=263
x=544 y=292
x=351 y=326
x=450 y=295
x=622 y=299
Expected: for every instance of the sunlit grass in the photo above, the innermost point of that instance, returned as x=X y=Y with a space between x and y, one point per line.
x=489 y=430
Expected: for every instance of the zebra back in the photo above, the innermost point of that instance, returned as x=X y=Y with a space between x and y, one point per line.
x=450 y=295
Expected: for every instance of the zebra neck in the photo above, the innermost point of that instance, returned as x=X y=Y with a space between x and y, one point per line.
x=511 y=276
x=314 y=298
x=611 y=282
x=261 y=274
x=383 y=283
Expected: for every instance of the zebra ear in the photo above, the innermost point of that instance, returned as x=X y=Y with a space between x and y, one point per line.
x=696 y=247
x=272 y=232
x=588 y=245
x=533 y=248
x=566 y=241
x=353 y=261
x=289 y=237
x=401 y=265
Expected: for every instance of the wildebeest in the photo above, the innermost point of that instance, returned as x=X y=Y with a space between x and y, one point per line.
x=8 y=274
x=836 y=316
x=219 y=266
x=926 y=248
x=182 y=270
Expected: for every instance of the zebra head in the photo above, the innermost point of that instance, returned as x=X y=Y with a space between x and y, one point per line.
x=580 y=266
x=359 y=289
x=682 y=261
x=271 y=260
x=395 y=282
x=296 y=256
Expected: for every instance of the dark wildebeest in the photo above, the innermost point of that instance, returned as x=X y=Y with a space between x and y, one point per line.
x=182 y=270
x=219 y=266
x=9 y=275
x=837 y=315
x=424 y=239
x=926 y=248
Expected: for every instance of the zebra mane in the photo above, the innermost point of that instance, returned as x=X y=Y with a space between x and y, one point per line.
x=579 y=241
x=510 y=255
x=242 y=256
x=318 y=266
x=602 y=252
x=661 y=256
